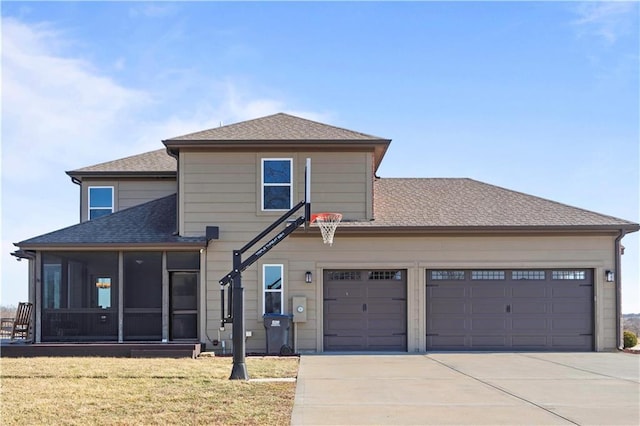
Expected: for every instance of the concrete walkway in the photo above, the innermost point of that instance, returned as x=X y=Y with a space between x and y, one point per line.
x=472 y=389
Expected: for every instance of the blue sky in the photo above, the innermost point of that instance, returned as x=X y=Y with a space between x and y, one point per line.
x=539 y=97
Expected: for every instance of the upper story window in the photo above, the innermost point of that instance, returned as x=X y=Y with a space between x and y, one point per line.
x=100 y=201
x=277 y=187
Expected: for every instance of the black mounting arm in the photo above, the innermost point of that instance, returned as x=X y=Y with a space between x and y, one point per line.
x=237 y=269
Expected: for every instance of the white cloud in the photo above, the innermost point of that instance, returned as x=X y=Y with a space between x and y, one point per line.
x=60 y=113
x=606 y=20
x=54 y=108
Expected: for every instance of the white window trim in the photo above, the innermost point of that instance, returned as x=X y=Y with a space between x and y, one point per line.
x=89 y=208
x=280 y=290
x=262 y=184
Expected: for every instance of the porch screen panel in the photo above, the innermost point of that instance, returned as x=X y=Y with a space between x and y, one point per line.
x=79 y=296
x=142 y=296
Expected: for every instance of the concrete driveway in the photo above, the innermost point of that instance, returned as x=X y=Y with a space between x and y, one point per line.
x=473 y=389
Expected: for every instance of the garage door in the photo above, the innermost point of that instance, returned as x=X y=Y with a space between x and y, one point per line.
x=365 y=310
x=510 y=309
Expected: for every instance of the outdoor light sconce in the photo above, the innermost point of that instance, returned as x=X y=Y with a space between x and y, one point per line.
x=308 y=277
x=609 y=276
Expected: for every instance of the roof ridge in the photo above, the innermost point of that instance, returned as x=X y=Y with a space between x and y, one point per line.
x=224 y=126
x=329 y=125
x=248 y=123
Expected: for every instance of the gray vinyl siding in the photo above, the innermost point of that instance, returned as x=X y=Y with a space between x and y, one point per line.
x=128 y=192
x=223 y=189
x=133 y=193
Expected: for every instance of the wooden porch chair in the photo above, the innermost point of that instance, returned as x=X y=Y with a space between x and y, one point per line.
x=22 y=322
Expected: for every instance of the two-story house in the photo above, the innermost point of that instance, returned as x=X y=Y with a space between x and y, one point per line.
x=418 y=264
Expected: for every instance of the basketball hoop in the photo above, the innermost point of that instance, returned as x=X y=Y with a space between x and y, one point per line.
x=328 y=222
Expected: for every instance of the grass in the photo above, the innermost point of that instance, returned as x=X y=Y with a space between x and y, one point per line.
x=129 y=391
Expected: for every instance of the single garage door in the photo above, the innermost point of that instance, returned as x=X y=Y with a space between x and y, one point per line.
x=510 y=309
x=365 y=310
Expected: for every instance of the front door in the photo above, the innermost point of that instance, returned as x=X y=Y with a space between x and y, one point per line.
x=184 y=305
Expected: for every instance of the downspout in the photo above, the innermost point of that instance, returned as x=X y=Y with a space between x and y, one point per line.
x=618 y=283
x=79 y=183
x=176 y=156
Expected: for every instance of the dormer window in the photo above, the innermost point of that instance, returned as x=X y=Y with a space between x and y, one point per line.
x=100 y=201
x=277 y=185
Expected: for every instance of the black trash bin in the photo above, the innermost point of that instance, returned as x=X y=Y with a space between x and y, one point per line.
x=277 y=326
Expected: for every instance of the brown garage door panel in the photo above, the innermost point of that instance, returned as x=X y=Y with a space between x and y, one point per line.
x=345 y=343
x=523 y=342
x=450 y=342
x=570 y=342
x=346 y=307
x=490 y=291
x=495 y=325
x=573 y=324
x=345 y=290
x=519 y=307
x=527 y=291
x=488 y=342
x=488 y=307
x=446 y=307
x=446 y=291
x=571 y=292
x=446 y=324
x=532 y=323
x=525 y=310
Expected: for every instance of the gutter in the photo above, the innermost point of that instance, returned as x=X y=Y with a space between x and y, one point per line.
x=618 y=283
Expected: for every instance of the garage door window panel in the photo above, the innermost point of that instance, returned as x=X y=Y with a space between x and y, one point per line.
x=487 y=275
x=528 y=275
x=448 y=275
x=569 y=275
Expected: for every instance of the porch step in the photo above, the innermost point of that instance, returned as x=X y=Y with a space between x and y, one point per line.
x=124 y=350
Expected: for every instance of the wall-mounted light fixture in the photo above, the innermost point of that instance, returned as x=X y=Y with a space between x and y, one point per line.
x=308 y=277
x=609 y=276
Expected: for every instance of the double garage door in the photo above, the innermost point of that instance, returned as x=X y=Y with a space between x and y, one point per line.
x=510 y=310
x=466 y=310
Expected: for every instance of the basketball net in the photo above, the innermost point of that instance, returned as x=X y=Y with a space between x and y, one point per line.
x=327 y=222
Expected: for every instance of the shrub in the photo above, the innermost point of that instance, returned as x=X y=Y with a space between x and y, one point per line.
x=630 y=339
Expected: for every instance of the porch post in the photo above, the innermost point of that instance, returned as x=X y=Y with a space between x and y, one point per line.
x=35 y=279
x=165 y=299
x=120 y=297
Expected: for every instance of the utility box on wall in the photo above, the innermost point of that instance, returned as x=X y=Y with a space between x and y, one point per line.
x=299 y=307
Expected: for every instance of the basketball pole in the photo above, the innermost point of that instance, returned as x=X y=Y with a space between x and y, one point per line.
x=307 y=194
x=234 y=278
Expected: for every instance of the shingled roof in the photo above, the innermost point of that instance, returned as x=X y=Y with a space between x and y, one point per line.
x=450 y=203
x=441 y=204
x=152 y=223
x=277 y=127
x=153 y=162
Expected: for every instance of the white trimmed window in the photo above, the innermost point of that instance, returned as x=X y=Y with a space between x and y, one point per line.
x=100 y=201
x=272 y=283
x=277 y=187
